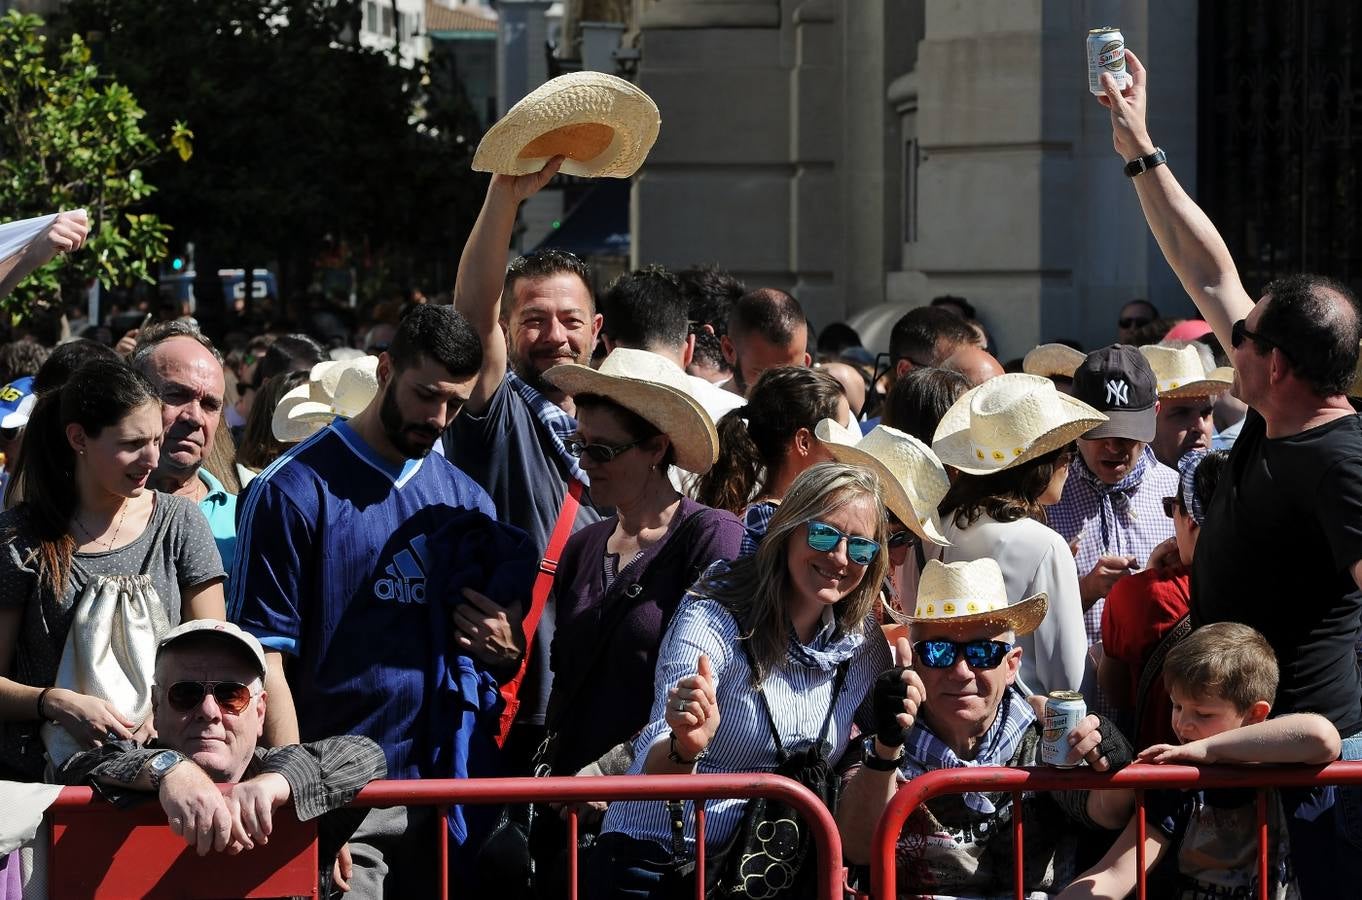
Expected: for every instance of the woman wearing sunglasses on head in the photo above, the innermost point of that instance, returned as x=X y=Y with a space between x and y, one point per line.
x=783 y=641
x=94 y=569
x=1011 y=439
x=963 y=709
x=620 y=580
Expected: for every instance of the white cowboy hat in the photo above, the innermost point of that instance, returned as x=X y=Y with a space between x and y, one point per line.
x=655 y=388
x=1009 y=420
x=967 y=593
x=913 y=479
x=1053 y=360
x=1179 y=372
x=604 y=125
x=333 y=389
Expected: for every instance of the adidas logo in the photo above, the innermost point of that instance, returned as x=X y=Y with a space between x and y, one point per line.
x=406 y=575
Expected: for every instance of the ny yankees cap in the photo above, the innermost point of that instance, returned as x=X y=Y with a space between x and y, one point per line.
x=1118 y=381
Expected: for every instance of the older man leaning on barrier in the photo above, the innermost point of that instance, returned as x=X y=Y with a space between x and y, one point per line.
x=955 y=704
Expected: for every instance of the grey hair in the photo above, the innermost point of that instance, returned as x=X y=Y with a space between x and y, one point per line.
x=156 y=334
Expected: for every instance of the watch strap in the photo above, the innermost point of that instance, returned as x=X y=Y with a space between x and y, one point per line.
x=873 y=761
x=161 y=765
x=1141 y=164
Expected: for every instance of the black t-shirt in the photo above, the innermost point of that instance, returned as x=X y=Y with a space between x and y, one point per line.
x=1276 y=553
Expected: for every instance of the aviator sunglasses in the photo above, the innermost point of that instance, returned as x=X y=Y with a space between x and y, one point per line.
x=231 y=696
x=942 y=654
x=601 y=453
x=824 y=538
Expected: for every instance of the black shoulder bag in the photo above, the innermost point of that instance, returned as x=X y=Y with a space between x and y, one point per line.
x=768 y=857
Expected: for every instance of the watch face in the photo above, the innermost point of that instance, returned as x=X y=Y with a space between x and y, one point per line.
x=162 y=762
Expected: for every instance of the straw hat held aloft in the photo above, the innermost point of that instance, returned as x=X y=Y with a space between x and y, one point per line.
x=1007 y=421
x=654 y=388
x=603 y=125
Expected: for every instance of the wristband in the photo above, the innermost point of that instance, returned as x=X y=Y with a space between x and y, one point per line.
x=675 y=756
x=873 y=761
x=1141 y=164
x=42 y=695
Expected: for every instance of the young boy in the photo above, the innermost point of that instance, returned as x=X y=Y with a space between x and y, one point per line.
x=1222 y=679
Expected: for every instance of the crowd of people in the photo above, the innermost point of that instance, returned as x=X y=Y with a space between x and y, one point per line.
x=670 y=530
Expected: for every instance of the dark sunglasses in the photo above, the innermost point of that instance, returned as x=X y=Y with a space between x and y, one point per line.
x=824 y=538
x=1240 y=333
x=231 y=696
x=942 y=654
x=601 y=453
x=1133 y=323
x=901 y=539
x=1170 y=504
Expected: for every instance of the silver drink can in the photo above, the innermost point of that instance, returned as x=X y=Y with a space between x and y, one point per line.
x=1106 y=53
x=1063 y=711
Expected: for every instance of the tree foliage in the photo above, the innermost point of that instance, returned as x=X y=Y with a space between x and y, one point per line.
x=70 y=138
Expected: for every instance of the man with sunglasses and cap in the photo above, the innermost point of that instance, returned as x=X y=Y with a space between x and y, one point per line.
x=1285 y=523
x=953 y=702
x=208 y=706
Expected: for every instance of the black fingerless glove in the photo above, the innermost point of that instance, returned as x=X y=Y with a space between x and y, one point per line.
x=887 y=698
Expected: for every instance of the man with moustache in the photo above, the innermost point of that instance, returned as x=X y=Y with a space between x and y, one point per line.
x=337 y=538
x=531 y=316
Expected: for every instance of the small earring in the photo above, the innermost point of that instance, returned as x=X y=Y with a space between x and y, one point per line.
x=653 y=467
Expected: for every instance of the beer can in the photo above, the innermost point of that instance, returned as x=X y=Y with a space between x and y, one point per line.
x=1063 y=711
x=1106 y=53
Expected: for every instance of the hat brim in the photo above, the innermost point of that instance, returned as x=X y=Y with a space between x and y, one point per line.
x=673 y=412
x=1020 y=618
x=895 y=497
x=1053 y=361
x=1207 y=387
x=575 y=99
x=1130 y=424
x=288 y=429
x=954 y=447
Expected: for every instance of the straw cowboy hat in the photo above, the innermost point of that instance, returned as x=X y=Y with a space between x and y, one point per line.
x=655 y=388
x=967 y=593
x=1179 y=372
x=604 y=125
x=333 y=389
x=913 y=479
x=1009 y=420
x=1053 y=360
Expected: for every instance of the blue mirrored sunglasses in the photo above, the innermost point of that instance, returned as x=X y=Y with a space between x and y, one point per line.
x=824 y=538
x=942 y=654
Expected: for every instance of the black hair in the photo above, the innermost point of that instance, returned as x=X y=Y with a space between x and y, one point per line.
x=65 y=359
x=966 y=308
x=639 y=428
x=259 y=447
x=1318 y=334
x=770 y=313
x=1006 y=496
x=837 y=337
x=542 y=264
x=96 y=396
x=1151 y=332
x=926 y=336
x=21 y=358
x=710 y=294
x=438 y=333
x=1153 y=310
x=286 y=353
x=644 y=309
x=1207 y=476
x=918 y=400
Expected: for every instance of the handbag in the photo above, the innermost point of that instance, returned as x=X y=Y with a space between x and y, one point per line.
x=767 y=857
x=110 y=652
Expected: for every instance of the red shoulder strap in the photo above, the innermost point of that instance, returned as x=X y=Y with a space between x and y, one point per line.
x=543 y=583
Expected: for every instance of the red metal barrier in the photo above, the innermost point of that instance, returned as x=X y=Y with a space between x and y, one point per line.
x=169 y=851
x=913 y=794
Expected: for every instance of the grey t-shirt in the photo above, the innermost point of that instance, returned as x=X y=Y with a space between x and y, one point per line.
x=176 y=550
x=505 y=451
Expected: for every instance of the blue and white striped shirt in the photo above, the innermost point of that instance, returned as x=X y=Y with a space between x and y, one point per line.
x=799 y=694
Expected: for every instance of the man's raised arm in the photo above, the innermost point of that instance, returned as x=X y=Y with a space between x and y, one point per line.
x=1190 y=243
x=482 y=272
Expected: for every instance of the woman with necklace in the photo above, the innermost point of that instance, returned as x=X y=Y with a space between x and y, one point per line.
x=89 y=530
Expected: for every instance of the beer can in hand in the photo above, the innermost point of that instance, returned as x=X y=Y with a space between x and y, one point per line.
x=1063 y=711
x=1106 y=53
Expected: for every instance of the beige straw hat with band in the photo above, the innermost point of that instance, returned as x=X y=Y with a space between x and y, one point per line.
x=1009 y=420
x=964 y=594
x=1179 y=372
x=912 y=478
x=655 y=388
x=604 y=125
x=1051 y=360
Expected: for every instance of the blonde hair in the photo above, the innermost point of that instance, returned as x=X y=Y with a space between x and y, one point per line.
x=756 y=588
x=1226 y=660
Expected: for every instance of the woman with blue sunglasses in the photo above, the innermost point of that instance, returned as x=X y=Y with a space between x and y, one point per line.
x=790 y=630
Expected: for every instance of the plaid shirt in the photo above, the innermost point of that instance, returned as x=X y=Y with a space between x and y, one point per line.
x=558 y=425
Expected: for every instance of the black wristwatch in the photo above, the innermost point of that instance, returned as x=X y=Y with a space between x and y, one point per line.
x=873 y=761
x=1141 y=164
x=675 y=756
x=160 y=765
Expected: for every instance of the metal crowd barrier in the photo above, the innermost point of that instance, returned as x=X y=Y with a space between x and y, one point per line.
x=132 y=853
x=913 y=794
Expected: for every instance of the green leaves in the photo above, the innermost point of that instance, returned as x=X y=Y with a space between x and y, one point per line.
x=71 y=137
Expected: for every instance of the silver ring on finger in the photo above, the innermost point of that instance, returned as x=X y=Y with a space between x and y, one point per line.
x=680 y=705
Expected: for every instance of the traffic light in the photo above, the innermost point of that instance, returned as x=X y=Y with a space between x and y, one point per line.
x=177 y=264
